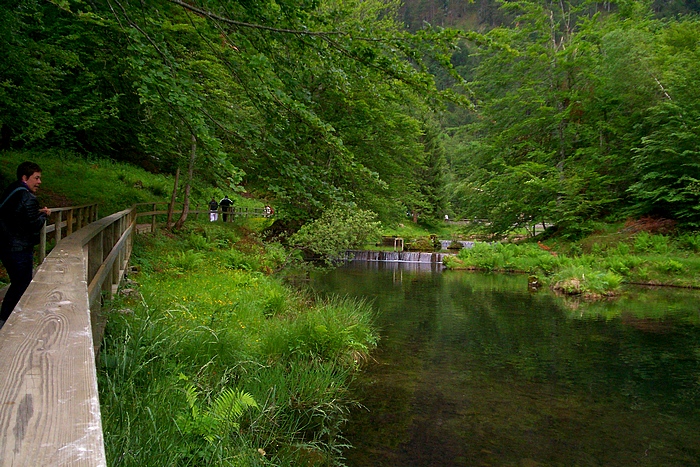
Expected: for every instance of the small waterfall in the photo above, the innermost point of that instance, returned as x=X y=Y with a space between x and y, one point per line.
x=395 y=256
x=404 y=256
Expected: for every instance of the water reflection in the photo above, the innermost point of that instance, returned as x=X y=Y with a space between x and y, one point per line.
x=473 y=369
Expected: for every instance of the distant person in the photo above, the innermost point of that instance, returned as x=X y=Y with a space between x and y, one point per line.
x=225 y=204
x=21 y=220
x=268 y=211
x=213 y=210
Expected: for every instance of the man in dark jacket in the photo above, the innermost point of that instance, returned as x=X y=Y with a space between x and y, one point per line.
x=21 y=220
x=226 y=204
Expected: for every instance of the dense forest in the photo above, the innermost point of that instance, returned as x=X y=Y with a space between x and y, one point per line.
x=564 y=113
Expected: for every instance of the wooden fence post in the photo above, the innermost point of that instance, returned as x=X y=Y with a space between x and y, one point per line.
x=79 y=219
x=69 y=222
x=58 y=223
x=42 y=243
x=153 y=218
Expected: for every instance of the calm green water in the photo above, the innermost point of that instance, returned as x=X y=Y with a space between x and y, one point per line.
x=474 y=370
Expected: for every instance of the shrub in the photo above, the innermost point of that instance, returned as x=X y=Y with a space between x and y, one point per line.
x=338 y=229
x=185 y=261
x=235 y=259
x=690 y=241
x=647 y=243
x=672 y=266
x=481 y=255
x=197 y=241
x=422 y=244
x=219 y=419
x=574 y=280
x=338 y=329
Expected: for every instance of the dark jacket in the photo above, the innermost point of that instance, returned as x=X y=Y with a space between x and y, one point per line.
x=226 y=204
x=20 y=219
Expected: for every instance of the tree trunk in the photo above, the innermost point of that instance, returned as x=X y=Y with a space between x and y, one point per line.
x=190 y=173
x=171 y=206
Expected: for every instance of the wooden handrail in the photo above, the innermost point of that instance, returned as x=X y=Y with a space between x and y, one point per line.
x=49 y=404
x=69 y=218
x=233 y=213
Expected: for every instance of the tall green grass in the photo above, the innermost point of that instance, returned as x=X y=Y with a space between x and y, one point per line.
x=218 y=364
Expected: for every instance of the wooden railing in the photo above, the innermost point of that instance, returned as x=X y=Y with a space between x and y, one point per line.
x=63 y=221
x=49 y=405
x=154 y=210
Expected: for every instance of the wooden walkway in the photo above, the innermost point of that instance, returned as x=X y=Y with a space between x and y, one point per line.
x=49 y=404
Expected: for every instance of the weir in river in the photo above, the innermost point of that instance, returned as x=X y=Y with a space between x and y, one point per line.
x=395 y=256
x=404 y=256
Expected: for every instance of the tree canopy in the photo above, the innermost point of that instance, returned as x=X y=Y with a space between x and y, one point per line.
x=556 y=112
x=305 y=103
x=581 y=115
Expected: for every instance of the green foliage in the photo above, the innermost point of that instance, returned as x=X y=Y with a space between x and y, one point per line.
x=645 y=242
x=57 y=66
x=336 y=330
x=507 y=256
x=672 y=267
x=577 y=279
x=562 y=108
x=309 y=103
x=198 y=242
x=690 y=241
x=185 y=261
x=71 y=180
x=612 y=259
x=338 y=229
x=222 y=330
x=217 y=421
x=422 y=244
x=239 y=260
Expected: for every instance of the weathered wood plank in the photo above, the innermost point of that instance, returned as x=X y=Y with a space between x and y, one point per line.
x=105 y=268
x=50 y=412
x=49 y=405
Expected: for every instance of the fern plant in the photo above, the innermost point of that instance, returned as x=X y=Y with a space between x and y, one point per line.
x=221 y=417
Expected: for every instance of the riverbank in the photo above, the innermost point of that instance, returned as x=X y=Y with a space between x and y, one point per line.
x=596 y=266
x=210 y=360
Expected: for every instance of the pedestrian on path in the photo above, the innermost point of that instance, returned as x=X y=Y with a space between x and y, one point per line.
x=21 y=220
x=225 y=204
x=213 y=210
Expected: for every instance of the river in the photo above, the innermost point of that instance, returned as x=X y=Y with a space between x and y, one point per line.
x=473 y=370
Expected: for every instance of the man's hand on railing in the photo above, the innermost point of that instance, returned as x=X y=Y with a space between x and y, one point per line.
x=45 y=210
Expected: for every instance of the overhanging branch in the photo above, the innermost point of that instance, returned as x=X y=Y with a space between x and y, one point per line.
x=223 y=19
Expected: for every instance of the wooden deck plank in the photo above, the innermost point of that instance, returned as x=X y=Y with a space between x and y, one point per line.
x=48 y=391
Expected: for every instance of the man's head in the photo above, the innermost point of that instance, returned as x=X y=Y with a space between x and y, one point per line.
x=29 y=173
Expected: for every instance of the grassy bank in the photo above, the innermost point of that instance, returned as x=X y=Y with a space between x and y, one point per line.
x=71 y=180
x=597 y=265
x=209 y=360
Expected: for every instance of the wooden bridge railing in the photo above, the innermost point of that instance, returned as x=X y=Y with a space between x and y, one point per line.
x=154 y=210
x=63 y=221
x=49 y=405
